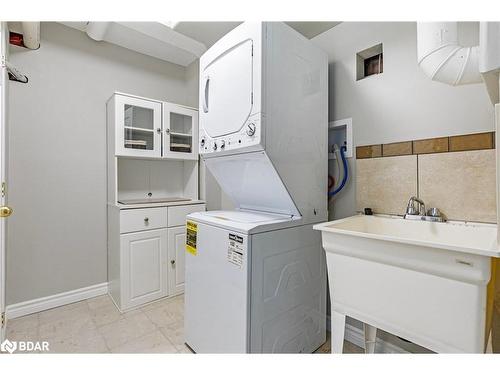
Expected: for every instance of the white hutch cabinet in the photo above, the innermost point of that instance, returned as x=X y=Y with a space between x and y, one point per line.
x=152 y=167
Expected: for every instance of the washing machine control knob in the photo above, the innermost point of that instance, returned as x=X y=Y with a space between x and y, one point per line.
x=251 y=129
x=202 y=142
x=222 y=144
x=215 y=146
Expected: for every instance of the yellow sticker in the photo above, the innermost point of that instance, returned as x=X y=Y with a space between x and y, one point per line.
x=191 y=233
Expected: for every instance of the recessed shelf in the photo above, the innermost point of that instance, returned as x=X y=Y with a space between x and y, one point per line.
x=369 y=62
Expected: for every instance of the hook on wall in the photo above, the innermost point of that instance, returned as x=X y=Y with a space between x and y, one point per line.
x=15 y=74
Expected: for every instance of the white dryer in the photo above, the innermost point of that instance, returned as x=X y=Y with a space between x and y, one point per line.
x=264 y=91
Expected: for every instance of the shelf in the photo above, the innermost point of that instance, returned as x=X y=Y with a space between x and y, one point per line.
x=138 y=129
x=181 y=134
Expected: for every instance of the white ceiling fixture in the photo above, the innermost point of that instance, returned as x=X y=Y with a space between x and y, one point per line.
x=177 y=42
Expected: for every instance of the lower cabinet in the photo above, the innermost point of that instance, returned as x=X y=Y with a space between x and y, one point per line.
x=146 y=251
x=176 y=256
x=144 y=259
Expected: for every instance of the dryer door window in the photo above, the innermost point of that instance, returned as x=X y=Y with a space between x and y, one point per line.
x=226 y=91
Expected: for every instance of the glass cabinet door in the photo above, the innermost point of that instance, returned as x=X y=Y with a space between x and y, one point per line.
x=180 y=137
x=138 y=131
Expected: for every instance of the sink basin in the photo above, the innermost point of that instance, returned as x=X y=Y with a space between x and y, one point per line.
x=469 y=238
x=423 y=281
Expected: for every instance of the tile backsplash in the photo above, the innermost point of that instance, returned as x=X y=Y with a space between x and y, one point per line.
x=460 y=183
x=386 y=184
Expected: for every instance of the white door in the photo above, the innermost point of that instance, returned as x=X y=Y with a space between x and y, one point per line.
x=138 y=127
x=226 y=96
x=4 y=210
x=144 y=256
x=180 y=132
x=176 y=257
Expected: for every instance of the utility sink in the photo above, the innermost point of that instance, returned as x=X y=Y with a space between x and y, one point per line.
x=423 y=281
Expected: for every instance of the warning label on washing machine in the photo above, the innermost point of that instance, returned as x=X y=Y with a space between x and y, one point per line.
x=235 y=250
x=191 y=233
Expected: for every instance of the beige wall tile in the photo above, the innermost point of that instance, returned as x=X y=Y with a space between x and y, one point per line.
x=469 y=142
x=386 y=184
x=461 y=184
x=430 y=146
x=364 y=152
x=395 y=149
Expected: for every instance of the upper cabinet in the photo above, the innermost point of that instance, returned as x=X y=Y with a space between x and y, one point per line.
x=152 y=129
x=180 y=136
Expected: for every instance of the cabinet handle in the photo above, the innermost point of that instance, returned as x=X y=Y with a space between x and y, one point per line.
x=158 y=130
x=167 y=131
x=146 y=219
x=172 y=262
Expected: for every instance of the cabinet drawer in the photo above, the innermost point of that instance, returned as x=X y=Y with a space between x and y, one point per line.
x=142 y=219
x=177 y=215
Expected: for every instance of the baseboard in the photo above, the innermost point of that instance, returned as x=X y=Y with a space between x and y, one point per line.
x=40 y=304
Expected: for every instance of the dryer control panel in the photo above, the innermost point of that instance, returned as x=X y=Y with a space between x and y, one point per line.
x=248 y=136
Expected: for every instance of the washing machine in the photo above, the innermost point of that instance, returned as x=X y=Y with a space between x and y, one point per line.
x=256 y=283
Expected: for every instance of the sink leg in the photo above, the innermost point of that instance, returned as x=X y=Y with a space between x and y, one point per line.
x=338 y=330
x=370 y=338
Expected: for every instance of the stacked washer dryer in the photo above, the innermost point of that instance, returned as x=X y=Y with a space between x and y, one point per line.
x=256 y=276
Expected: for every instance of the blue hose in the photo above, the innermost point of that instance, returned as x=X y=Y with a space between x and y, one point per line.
x=343 y=149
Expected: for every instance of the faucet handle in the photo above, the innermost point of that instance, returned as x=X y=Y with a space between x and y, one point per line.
x=411 y=210
x=434 y=212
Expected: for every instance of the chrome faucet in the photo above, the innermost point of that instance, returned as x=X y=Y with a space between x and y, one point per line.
x=411 y=210
x=412 y=213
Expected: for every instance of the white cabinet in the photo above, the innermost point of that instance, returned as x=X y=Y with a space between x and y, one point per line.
x=152 y=167
x=180 y=132
x=146 y=257
x=147 y=128
x=176 y=256
x=144 y=272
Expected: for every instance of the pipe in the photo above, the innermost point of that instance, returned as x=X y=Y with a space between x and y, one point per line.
x=343 y=149
x=442 y=58
x=97 y=30
x=31 y=34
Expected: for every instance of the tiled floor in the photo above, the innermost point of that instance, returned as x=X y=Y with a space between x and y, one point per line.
x=96 y=326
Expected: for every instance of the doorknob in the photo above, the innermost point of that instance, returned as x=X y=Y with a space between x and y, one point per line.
x=172 y=262
x=5 y=211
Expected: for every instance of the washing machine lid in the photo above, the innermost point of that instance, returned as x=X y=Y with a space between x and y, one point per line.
x=252 y=183
x=245 y=222
x=247 y=217
x=226 y=96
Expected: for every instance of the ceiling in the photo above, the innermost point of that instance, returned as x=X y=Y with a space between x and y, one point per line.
x=210 y=32
x=177 y=42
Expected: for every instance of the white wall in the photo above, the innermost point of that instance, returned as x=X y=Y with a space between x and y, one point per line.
x=57 y=169
x=400 y=104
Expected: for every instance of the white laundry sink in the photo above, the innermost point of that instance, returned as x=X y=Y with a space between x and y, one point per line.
x=423 y=281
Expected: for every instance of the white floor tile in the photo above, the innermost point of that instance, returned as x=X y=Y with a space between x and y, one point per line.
x=153 y=342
